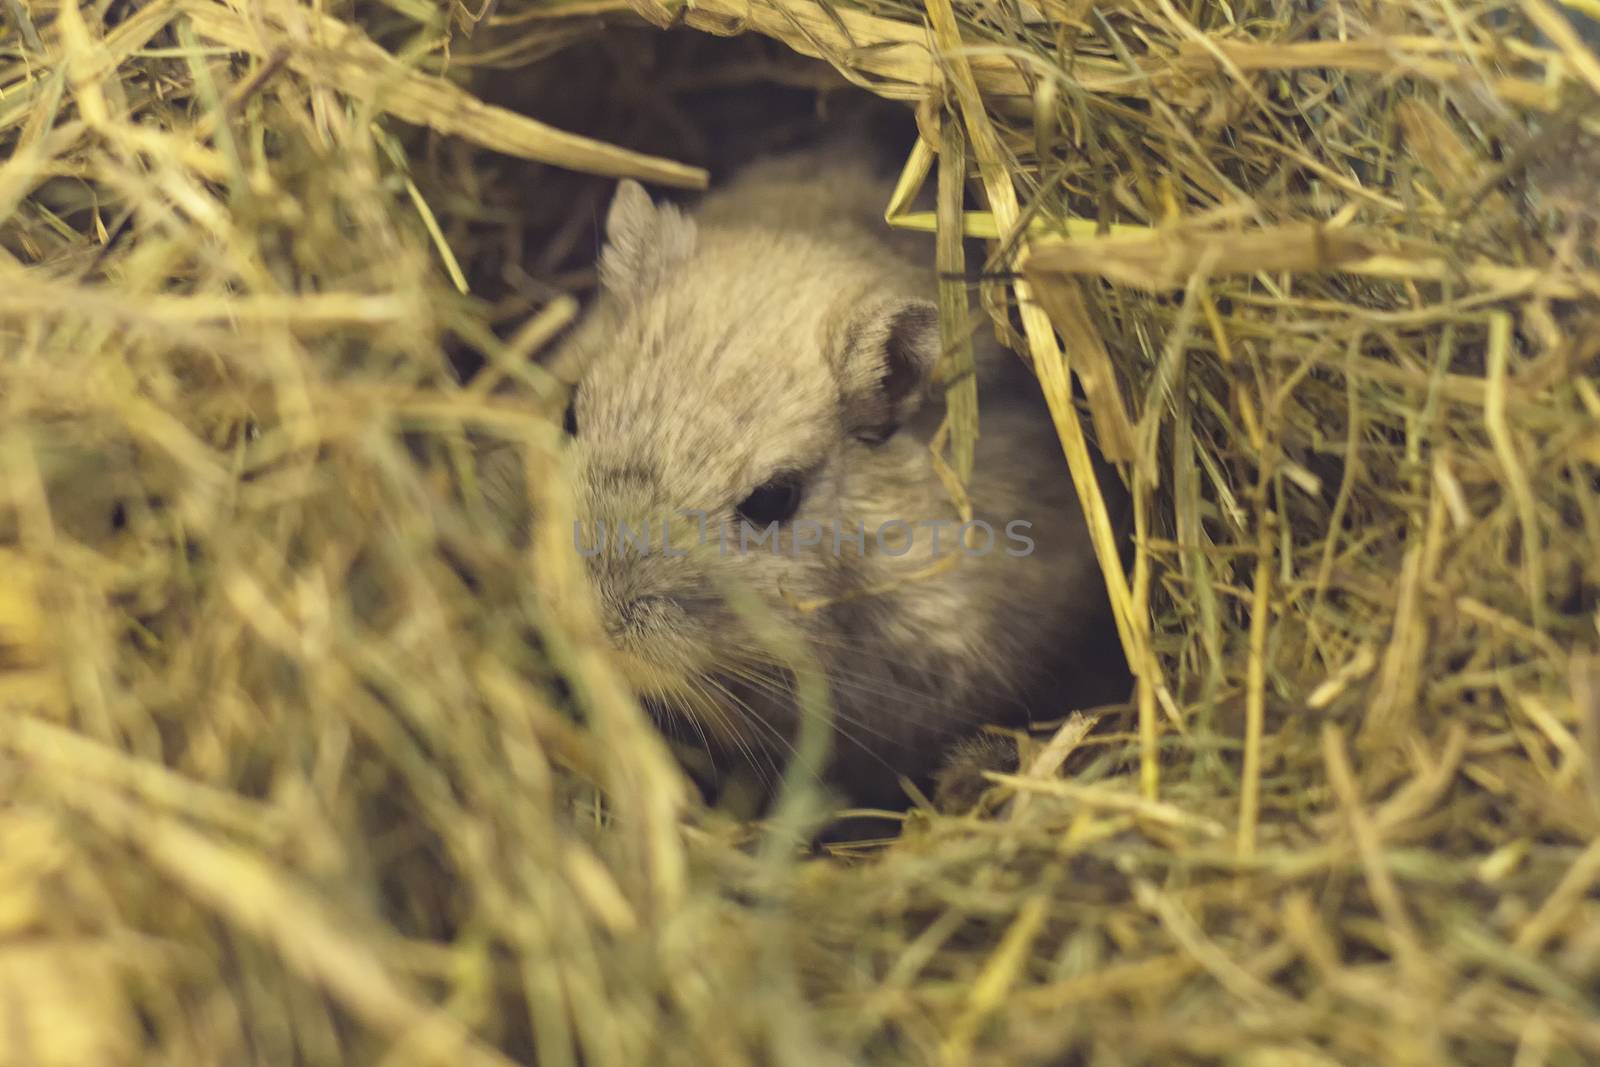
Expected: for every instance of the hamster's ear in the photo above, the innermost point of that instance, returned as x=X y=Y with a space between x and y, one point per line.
x=643 y=240
x=888 y=356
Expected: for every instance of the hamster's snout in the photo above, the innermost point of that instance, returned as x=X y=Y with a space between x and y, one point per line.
x=634 y=609
x=638 y=615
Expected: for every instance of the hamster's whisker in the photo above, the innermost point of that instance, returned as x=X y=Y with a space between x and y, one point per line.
x=840 y=676
x=694 y=724
x=1003 y=693
x=689 y=699
x=723 y=708
x=873 y=686
x=746 y=715
x=848 y=726
x=762 y=684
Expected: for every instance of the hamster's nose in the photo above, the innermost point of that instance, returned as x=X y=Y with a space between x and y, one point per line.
x=641 y=613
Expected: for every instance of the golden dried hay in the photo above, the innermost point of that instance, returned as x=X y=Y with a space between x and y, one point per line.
x=301 y=761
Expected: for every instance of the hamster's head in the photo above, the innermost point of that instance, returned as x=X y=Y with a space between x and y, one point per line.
x=738 y=386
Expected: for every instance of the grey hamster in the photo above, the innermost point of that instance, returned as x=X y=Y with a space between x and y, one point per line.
x=766 y=360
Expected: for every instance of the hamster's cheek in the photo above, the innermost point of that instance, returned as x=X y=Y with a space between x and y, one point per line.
x=770 y=571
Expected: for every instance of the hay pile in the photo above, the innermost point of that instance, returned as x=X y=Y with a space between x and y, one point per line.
x=294 y=769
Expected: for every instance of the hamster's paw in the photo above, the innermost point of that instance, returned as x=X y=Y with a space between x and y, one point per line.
x=959 y=783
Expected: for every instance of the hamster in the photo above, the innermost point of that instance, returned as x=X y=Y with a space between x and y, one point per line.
x=762 y=366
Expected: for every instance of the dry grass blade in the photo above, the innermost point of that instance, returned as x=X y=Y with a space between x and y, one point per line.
x=894 y=53
x=366 y=72
x=1169 y=260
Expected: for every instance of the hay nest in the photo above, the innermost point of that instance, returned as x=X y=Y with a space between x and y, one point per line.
x=284 y=783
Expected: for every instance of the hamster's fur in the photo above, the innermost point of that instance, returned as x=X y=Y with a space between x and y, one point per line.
x=783 y=336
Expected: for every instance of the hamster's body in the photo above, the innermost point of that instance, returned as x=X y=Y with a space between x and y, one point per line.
x=766 y=360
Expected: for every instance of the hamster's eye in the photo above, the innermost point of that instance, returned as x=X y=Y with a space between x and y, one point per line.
x=569 y=419
x=775 y=501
